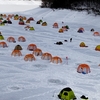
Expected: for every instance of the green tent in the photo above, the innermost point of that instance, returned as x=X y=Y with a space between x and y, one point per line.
x=31 y=28
x=67 y=26
x=97 y=48
x=66 y=94
x=40 y=20
x=1 y=18
x=1 y=37
x=2 y=24
x=5 y=21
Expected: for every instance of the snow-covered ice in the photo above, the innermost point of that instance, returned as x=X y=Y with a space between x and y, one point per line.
x=41 y=79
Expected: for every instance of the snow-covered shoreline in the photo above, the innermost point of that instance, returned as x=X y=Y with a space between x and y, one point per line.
x=15 y=8
x=7 y=6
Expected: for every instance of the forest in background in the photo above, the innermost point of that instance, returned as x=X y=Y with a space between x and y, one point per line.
x=91 y=6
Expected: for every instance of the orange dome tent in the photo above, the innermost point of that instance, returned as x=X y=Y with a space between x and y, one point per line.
x=29 y=57
x=21 y=39
x=83 y=68
x=46 y=56
x=96 y=34
x=3 y=44
x=16 y=53
x=55 y=25
x=37 y=52
x=32 y=47
x=56 y=60
x=11 y=39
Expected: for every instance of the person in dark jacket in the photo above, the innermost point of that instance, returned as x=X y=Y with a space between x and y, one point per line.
x=70 y=39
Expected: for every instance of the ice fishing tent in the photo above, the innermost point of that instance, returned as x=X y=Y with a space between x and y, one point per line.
x=96 y=34
x=0 y=21
x=37 y=52
x=31 y=19
x=32 y=47
x=18 y=47
x=66 y=26
x=4 y=15
x=21 y=39
x=39 y=21
x=1 y=18
x=16 y=53
x=29 y=57
x=83 y=68
x=44 y=24
x=2 y=24
x=21 y=22
x=1 y=37
x=56 y=60
x=16 y=17
x=27 y=21
x=92 y=30
x=82 y=44
x=11 y=39
x=3 y=44
x=7 y=18
x=61 y=30
x=27 y=27
x=64 y=29
x=66 y=94
x=55 y=25
x=31 y=29
x=46 y=56
x=80 y=30
x=97 y=48
x=9 y=15
x=4 y=21
x=20 y=17
x=9 y=22
x=24 y=18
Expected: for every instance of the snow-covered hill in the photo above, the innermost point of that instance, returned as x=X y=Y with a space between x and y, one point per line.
x=20 y=2
x=18 y=5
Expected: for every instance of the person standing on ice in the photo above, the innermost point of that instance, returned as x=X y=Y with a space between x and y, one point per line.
x=70 y=39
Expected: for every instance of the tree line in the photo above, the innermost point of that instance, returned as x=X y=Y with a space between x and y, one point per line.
x=89 y=5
